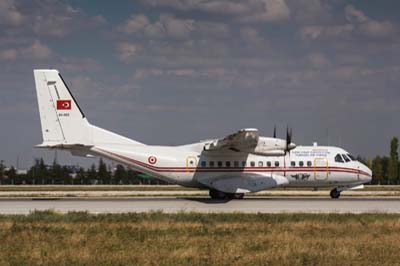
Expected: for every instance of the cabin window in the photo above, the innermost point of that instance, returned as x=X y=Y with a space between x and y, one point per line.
x=293 y=163
x=347 y=159
x=228 y=164
x=276 y=163
x=309 y=163
x=269 y=164
x=301 y=163
x=236 y=164
x=219 y=163
x=252 y=164
x=339 y=159
x=260 y=164
x=244 y=163
x=212 y=164
x=203 y=163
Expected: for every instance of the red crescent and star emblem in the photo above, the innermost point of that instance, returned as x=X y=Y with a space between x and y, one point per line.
x=152 y=159
x=63 y=104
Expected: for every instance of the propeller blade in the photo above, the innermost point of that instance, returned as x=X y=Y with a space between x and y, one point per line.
x=275 y=132
x=287 y=136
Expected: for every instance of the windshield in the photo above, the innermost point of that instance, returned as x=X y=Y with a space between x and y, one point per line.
x=338 y=158
x=352 y=157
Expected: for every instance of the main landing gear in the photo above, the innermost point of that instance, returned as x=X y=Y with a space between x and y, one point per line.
x=335 y=193
x=216 y=194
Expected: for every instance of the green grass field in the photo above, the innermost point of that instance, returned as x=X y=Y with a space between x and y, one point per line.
x=46 y=238
x=150 y=188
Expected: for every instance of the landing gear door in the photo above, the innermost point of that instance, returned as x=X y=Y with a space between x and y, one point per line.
x=321 y=170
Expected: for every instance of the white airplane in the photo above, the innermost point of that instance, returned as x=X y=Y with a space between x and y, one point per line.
x=228 y=167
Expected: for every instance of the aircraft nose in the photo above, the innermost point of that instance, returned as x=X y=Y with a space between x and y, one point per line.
x=367 y=177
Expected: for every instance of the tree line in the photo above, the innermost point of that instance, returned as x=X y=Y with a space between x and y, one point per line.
x=56 y=174
x=385 y=171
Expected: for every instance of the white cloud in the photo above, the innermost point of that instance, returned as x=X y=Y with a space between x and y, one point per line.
x=8 y=54
x=368 y=26
x=176 y=28
x=272 y=11
x=134 y=24
x=310 y=11
x=35 y=51
x=127 y=51
x=54 y=18
x=166 y=26
x=244 y=10
x=9 y=15
x=358 y=23
x=219 y=6
x=354 y=15
x=318 y=60
x=323 y=32
x=375 y=28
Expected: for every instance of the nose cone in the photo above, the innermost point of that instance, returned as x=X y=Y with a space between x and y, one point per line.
x=366 y=173
x=291 y=146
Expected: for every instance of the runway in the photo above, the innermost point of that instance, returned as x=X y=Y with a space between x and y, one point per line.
x=204 y=205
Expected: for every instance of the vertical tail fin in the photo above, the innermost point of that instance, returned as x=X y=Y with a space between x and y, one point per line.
x=63 y=121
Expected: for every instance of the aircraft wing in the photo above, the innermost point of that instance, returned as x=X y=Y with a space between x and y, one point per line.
x=244 y=182
x=241 y=141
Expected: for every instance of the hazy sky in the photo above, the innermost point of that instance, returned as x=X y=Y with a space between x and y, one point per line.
x=178 y=71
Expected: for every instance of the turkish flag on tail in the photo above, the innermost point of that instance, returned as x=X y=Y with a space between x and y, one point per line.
x=63 y=104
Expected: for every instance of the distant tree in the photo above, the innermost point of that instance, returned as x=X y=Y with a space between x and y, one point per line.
x=120 y=175
x=11 y=174
x=92 y=174
x=377 y=177
x=102 y=172
x=56 y=173
x=394 y=161
x=81 y=177
x=2 y=167
x=385 y=169
x=38 y=173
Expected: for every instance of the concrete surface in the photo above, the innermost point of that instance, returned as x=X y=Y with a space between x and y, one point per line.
x=203 y=204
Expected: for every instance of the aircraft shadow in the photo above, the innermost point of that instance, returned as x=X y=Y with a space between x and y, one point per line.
x=208 y=200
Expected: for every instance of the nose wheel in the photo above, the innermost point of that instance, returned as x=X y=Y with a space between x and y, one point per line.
x=335 y=193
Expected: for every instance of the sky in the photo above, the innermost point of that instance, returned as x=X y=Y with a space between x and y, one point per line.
x=172 y=72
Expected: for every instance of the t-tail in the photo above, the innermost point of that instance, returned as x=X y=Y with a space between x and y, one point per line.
x=64 y=125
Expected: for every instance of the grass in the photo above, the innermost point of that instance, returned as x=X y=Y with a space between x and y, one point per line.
x=94 y=188
x=47 y=238
x=152 y=188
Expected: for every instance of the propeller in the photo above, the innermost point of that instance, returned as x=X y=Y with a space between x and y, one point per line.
x=275 y=131
x=289 y=144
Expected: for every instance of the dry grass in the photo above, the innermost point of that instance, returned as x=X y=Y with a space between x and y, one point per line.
x=152 y=188
x=46 y=238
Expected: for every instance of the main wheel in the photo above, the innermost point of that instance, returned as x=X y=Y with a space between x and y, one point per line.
x=216 y=194
x=335 y=193
x=237 y=196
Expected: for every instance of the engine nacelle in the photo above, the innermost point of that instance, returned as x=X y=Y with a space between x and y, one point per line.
x=272 y=146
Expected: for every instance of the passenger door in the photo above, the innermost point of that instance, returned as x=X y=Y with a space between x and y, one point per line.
x=321 y=170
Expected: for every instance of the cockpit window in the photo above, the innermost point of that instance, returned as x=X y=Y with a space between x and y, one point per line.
x=352 y=157
x=347 y=159
x=339 y=159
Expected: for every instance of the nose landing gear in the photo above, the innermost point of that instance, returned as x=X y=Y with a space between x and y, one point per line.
x=335 y=193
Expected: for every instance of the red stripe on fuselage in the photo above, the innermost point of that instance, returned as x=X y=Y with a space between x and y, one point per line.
x=238 y=169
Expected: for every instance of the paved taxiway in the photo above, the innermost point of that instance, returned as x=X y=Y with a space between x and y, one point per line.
x=173 y=205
